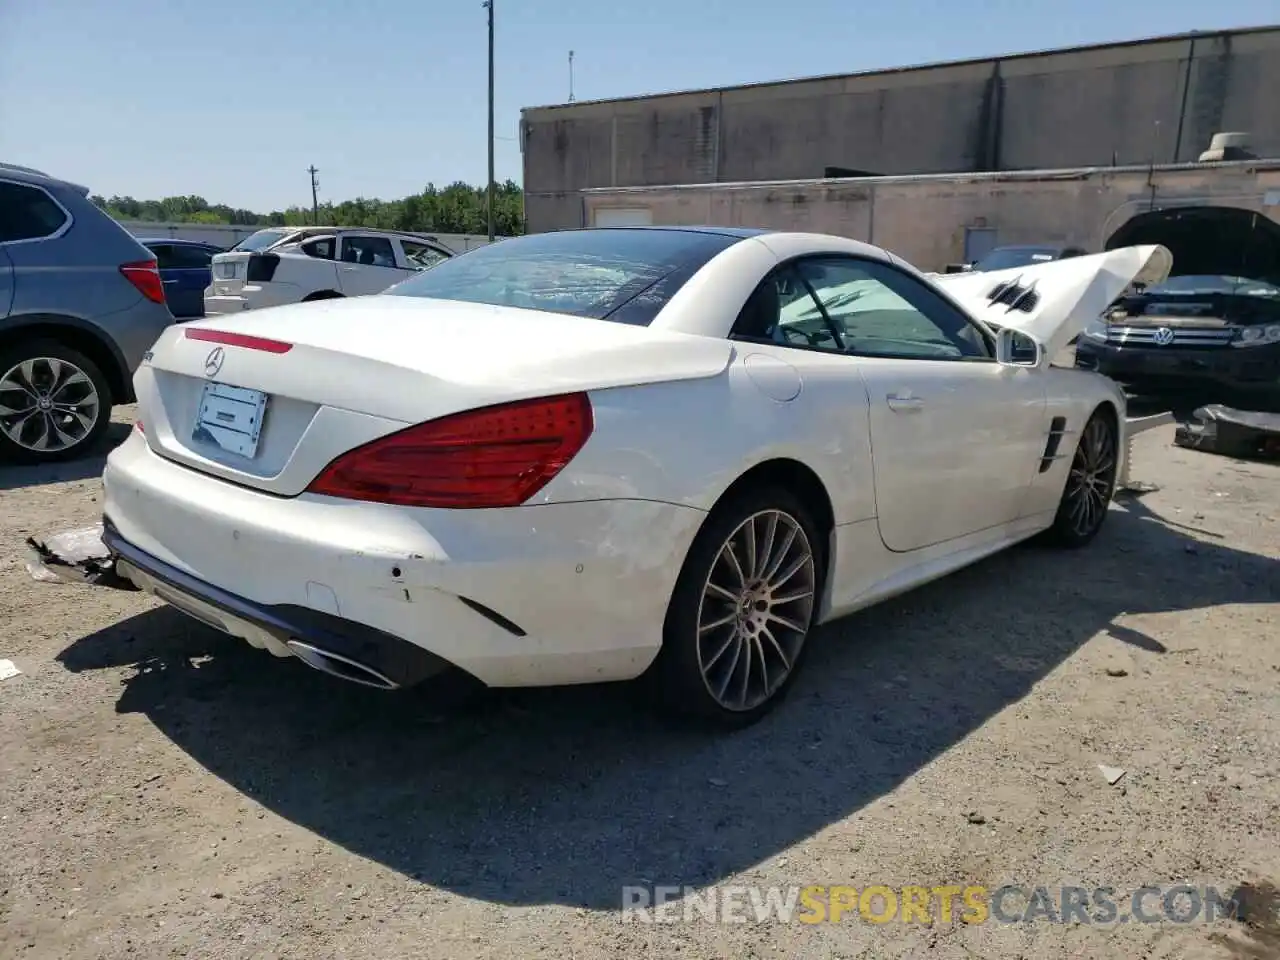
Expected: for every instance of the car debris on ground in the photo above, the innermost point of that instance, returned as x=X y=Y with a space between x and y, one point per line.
x=1244 y=434
x=74 y=556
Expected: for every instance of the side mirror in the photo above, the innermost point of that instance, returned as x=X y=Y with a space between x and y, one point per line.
x=1017 y=349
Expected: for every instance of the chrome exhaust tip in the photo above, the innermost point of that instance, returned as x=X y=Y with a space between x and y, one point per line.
x=344 y=668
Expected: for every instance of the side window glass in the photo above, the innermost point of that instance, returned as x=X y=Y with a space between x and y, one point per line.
x=189 y=258
x=419 y=256
x=370 y=251
x=164 y=256
x=781 y=310
x=321 y=249
x=27 y=213
x=878 y=310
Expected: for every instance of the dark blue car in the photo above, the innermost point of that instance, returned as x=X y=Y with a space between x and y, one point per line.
x=185 y=270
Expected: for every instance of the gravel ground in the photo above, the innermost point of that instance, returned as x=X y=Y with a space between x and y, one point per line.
x=168 y=792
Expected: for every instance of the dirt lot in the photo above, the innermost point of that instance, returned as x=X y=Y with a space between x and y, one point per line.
x=167 y=792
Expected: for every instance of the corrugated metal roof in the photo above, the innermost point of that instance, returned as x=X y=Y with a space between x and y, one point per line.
x=969 y=61
x=1007 y=176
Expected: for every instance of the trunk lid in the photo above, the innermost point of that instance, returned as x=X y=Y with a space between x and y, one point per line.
x=228 y=272
x=348 y=371
x=1054 y=301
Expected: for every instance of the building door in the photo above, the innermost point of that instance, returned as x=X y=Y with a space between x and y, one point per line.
x=978 y=242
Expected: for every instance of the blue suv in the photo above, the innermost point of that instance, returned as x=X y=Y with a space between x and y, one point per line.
x=81 y=302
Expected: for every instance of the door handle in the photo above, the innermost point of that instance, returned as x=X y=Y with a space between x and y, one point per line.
x=171 y=281
x=900 y=404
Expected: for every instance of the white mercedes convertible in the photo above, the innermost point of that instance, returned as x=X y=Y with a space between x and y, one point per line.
x=609 y=454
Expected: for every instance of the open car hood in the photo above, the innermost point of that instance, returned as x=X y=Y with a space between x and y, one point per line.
x=1053 y=302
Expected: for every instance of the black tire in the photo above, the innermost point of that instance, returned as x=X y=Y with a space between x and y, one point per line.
x=1091 y=483
x=676 y=679
x=322 y=295
x=85 y=439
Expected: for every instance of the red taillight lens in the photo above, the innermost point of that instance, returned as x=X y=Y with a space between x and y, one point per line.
x=237 y=340
x=494 y=457
x=145 y=275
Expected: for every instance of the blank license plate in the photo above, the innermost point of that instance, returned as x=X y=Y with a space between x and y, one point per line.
x=231 y=418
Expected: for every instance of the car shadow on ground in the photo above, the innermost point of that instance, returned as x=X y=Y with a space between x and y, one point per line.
x=539 y=797
x=87 y=467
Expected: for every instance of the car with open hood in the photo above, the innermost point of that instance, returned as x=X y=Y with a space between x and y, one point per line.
x=1202 y=337
x=663 y=454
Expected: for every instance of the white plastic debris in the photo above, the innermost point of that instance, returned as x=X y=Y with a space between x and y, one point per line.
x=8 y=670
x=1111 y=774
x=73 y=556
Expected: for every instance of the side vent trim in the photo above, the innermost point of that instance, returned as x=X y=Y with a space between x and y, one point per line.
x=1057 y=430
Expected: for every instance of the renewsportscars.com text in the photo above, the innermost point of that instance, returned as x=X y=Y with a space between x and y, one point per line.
x=878 y=904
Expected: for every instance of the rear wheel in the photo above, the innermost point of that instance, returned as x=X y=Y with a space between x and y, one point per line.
x=1090 y=483
x=736 y=628
x=322 y=295
x=54 y=403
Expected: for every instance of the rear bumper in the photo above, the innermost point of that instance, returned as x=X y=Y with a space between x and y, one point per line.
x=250 y=297
x=1234 y=370
x=273 y=626
x=526 y=596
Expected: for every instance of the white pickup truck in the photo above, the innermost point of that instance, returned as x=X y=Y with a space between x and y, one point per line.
x=282 y=265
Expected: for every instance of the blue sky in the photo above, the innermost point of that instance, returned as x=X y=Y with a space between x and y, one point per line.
x=232 y=100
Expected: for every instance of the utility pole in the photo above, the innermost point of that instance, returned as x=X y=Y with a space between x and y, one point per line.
x=488 y=5
x=315 y=202
x=571 y=76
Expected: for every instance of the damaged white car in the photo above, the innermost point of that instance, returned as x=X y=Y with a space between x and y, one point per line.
x=609 y=454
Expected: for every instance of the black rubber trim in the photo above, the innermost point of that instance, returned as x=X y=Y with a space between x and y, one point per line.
x=493 y=616
x=400 y=661
x=1056 y=428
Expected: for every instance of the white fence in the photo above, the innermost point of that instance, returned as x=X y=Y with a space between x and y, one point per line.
x=228 y=235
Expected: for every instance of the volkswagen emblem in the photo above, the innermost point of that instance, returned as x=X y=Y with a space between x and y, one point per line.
x=1163 y=336
x=213 y=362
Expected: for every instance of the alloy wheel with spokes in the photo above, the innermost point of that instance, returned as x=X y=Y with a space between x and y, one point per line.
x=755 y=611
x=47 y=404
x=53 y=402
x=1090 y=483
x=739 y=618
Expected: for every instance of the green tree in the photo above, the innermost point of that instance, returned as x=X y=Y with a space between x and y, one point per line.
x=457 y=208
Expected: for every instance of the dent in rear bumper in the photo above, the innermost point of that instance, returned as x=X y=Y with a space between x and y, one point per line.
x=586 y=584
x=403 y=663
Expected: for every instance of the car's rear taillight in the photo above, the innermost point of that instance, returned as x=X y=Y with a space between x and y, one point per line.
x=145 y=275
x=494 y=457
x=261 y=268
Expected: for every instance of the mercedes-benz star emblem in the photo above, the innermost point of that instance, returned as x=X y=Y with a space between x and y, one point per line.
x=1163 y=336
x=213 y=362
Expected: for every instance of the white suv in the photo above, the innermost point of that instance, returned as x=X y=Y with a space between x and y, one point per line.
x=291 y=265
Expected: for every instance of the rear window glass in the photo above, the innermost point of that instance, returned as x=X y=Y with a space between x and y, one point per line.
x=609 y=274
x=262 y=239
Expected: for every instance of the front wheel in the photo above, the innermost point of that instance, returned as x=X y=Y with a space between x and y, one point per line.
x=54 y=403
x=1090 y=483
x=742 y=609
